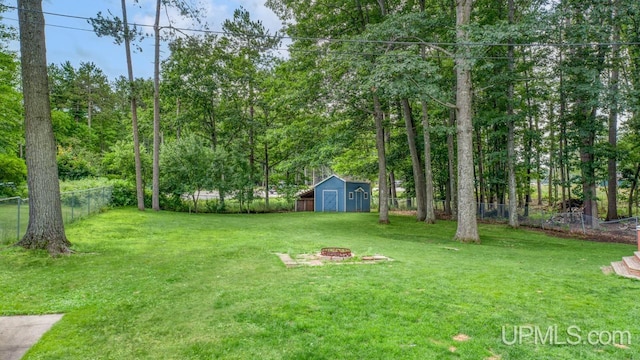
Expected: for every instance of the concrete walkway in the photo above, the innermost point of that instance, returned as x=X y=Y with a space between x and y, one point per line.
x=19 y=333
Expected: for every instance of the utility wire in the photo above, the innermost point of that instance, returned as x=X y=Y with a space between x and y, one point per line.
x=312 y=51
x=318 y=51
x=55 y=26
x=356 y=41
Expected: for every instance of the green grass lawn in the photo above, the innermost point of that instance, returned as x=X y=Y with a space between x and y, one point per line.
x=179 y=286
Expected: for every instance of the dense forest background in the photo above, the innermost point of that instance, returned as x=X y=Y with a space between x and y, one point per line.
x=370 y=89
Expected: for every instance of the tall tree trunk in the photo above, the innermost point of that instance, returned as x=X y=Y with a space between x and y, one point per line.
x=266 y=175
x=418 y=174
x=511 y=147
x=89 y=111
x=634 y=186
x=451 y=205
x=155 y=198
x=527 y=165
x=266 y=164
x=467 y=230
x=393 y=193
x=178 y=126
x=46 y=228
x=430 y=214
x=588 y=172
x=552 y=158
x=481 y=180
x=252 y=155
x=134 y=111
x=538 y=163
x=361 y=17
x=564 y=176
x=612 y=169
x=383 y=202
x=529 y=153
x=428 y=170
x=383 y=7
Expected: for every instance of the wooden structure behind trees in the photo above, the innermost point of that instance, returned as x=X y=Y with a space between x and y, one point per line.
x=305 y=201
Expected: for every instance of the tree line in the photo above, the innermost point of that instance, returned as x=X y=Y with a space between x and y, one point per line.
x=551 y=88
x=464 y=102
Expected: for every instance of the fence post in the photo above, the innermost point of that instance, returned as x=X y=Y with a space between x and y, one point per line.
x=638 y=232
x=18 y=229
x=88 y=202
x=73 y=204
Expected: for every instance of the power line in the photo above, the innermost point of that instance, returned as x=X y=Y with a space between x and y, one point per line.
x=357 y=41
x=56 y=26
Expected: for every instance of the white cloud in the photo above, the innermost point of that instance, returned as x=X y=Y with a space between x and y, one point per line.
x=214 y=12
x=260 y=12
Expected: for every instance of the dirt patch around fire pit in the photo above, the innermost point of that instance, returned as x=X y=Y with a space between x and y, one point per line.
x=318 y=259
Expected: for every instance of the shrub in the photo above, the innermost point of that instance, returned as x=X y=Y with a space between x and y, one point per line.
x=13 y=174
x=124 y=194
x=215 y=206
x=119 y=162
x=74 y=164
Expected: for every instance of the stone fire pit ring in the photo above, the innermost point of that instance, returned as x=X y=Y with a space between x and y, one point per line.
x=336 y=252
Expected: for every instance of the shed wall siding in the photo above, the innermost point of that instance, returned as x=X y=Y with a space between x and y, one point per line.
x=329 y=186
x=359 y=202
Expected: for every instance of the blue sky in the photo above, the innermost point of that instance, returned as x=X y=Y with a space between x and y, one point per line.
x=76 y=45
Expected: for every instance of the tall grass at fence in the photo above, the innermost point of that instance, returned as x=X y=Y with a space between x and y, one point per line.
x=14 y=212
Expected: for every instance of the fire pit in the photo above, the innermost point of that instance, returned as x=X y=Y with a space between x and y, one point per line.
x=336 y=252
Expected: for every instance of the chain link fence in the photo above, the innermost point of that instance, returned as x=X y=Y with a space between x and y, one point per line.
x=575 y=221
x=14 y=212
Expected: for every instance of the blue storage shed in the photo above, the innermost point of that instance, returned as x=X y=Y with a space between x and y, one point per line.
x=335 y=194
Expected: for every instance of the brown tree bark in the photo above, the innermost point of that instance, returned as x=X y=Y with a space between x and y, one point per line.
x=527 y=165
x=634 y=185
x=451 y=203
x=383 y=190
x=532 y=129
x=134 y=111
x=588 y=172
x=467 y=230
x=418 y=174
x=482 y=188
x=266 y=163
x=538 y=164
x=552 y=161
x=46 y=228
x=511 y=147
x=430 y=215
x=564 y=175
x=393 y=192
x=612 y=169
x=155 y=197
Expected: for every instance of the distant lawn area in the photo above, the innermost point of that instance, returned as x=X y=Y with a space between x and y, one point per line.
x=179 y=286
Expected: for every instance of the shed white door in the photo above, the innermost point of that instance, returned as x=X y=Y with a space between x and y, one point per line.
x=330 y=200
